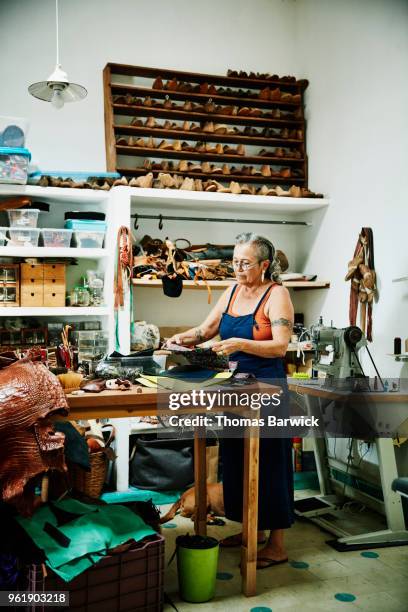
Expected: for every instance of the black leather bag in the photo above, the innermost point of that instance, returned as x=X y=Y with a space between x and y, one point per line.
x=162 y=464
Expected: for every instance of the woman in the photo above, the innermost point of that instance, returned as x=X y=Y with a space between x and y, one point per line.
x=254 y=319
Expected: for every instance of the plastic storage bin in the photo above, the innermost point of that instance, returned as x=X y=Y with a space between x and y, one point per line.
x=56 y=237
x=14 y=165
x=23 y=217
x=86 y=224
x=88 y=239
x=13 y=131
x=23 y=237
x=132 y=580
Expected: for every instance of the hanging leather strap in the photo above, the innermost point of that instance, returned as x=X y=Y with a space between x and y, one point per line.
x=124 y=264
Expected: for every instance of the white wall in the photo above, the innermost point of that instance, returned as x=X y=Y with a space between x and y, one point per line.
x=209 y=36
x=355 y=55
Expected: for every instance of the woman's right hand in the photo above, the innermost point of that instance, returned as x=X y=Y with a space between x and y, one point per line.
x=187 y=338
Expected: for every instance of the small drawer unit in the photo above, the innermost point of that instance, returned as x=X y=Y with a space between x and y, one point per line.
x=43 y=285
x=9 y=285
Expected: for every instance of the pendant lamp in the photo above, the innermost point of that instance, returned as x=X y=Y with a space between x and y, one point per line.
x=57 y=89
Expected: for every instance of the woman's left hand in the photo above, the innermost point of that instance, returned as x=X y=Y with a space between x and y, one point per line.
x=226 y=347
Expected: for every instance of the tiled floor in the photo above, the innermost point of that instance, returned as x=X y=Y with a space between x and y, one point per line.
x=379 y=584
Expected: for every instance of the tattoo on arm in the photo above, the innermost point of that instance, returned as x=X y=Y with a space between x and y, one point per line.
x=199 y=334
x=282 y=322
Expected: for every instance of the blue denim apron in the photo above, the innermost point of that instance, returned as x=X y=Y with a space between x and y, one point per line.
x=275 y=506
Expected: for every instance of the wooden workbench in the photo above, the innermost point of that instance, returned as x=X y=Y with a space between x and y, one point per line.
x=143 y=402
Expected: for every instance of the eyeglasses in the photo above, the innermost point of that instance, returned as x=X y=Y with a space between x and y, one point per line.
x=237 y=264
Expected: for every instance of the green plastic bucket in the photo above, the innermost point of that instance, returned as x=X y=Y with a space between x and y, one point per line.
x=197 y=560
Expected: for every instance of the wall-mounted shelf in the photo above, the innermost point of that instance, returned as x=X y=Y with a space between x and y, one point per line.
x=60 y=194
x=214 y=284
x=173 y=199
x=43 y=311
x=401 y=357
x=54 y=252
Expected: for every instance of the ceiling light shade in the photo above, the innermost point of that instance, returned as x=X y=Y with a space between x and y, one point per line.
x=57 y=89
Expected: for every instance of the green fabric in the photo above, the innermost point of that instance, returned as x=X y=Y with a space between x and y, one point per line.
x=134 y=494
x=97 y=529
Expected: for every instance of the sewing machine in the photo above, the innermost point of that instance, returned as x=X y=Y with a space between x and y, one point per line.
x=337 y=355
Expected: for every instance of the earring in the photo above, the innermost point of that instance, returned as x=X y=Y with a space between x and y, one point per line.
x=263 y=275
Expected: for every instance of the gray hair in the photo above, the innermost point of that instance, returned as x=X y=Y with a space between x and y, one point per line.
x=264 y=250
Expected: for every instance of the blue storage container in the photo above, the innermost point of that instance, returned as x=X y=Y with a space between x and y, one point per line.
x=14 y=165
x=85 y=224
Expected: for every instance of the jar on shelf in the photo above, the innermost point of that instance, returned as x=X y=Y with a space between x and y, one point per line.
x=80 y=296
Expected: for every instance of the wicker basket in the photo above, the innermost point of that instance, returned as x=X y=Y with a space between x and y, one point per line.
x=90 y=483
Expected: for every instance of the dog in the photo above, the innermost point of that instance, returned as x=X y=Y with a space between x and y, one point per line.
x=186 y=505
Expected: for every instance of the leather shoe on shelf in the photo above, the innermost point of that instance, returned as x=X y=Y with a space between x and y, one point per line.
x=240 y=149
x=256 y=172
x=268 y=133
x=150 y=122
x=246 y=170
x=220 y=128
x=247 y=190
x=167 y=125
x=216 y=170
x=295 y=191
x=266 y=191
x=204 y=88
x=244 y=111
x=148 y=101
x=286 y=97
x=208 y=127
x=226 y=169
x=206 y=167
x=187 y=184
x=158 y=83
x=147 y=164
x=235 y=187
x=182 y=166
x=140 y=142
x=296 y=98
x=210 y=148
x=184 y=87
x=275 y=95
x=195 y=127
x=200 y=147
x=165 y=146
x=298 y=114
x=210 y=186
x=264 y=94
x=151 y=143
x=279 y=152
x=195 y=168
x=166 y=180
x=235 y=170
x=177 y=145
x=198 y=185
x=255 y=112
x=142 y=181
x=284 y=133
x=285 y=173
x=281 y=192
x=232 y=73
x=185 y=146
x=187 y=106
x=172 y=85
x=250 y=131
x=122 y=141
x=266 y=170
x=219 y=148
x=232 y=130
x=210 y=107
x=168 y=103
x=230 y=150
x=229 y=110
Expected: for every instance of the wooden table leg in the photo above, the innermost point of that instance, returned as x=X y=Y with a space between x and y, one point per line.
x=250 y=512
x=200 y=481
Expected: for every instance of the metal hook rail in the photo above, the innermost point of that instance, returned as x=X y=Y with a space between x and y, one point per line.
x=162 y=218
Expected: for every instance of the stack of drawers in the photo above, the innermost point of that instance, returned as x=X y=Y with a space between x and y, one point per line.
x=42 y=285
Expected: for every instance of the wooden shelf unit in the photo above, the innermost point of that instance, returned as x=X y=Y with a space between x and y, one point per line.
x=136 y=87
x=224 y=284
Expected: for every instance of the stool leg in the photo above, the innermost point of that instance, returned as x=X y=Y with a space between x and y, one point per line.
x=250 y=512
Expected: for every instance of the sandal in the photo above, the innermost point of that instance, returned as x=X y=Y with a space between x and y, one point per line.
x=268 y=562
